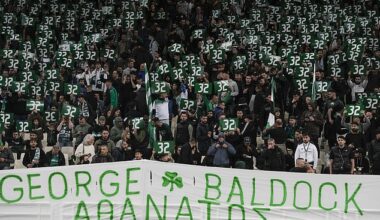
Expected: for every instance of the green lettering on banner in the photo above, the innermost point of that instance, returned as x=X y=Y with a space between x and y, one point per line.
x=80 y=184
x=237 y=206
x=78 y=214
x=351 y=198
x=116 y=185
x=320 y=196
x=101 y=205
x=14 y=189
x=51 y=186
x=272 y=181
x=253 y=203
x=188 y=214
x=33 y=187
x=236 y=183
x=150 y=201
x=259 y=210
x=208 y=203
x=131 y=212
x=295 y=195
x=216 y=186
x=129 y=181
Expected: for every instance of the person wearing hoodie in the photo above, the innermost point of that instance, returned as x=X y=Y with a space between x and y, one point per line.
x=104 y=140
x=221 y=151
x=116 y=130
x=81 y=130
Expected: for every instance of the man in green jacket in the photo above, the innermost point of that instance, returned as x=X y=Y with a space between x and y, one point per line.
x=112 y=96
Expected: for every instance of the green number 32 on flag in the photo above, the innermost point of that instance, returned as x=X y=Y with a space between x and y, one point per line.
x=228 y=124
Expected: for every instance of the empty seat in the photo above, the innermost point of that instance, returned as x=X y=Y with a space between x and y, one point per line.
x=69 y=150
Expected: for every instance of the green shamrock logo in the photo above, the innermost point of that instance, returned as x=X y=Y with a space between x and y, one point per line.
x=172 y=178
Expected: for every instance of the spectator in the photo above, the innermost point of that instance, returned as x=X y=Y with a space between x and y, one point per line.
x=55 y=157
x=138 y=155
x=312 y=122
x=291 y=127
x=116 y=130
x=112 y=97
x=35 y=156
x=374 y=153
x=248 y=130
x=361 y=162
x=333 y=108
x=65 y=128
x=221 y=151
x=86 y=150
x=104 y=140
x=277 y=132
x=300 y=166
x=81 y=130
x=188 y=153
x=203 y=136
x=124 y=153
x=246 y=153
x=307 y=151
x=99 y=127
x=163 y=131
x=161 y=108
x=83 y=107
x=167 y=158
x=103 y=156
x=6 y=157
x=184 y=130
x=342 y=158
x=356 y=139
x=272 y=158
x=16 y=145
x=357 y=86
x=51 y=134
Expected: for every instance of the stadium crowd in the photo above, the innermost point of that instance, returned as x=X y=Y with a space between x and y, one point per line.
x=265 y=84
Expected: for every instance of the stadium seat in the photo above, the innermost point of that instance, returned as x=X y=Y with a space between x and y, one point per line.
x=66 y=159
x=18 y=163
x=69 y=150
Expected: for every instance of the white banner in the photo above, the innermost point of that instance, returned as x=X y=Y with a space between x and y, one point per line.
x=155 y=190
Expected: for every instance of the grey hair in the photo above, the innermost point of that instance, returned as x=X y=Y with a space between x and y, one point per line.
x=87 y=138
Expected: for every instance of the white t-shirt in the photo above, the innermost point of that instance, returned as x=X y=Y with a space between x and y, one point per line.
x=308 y=152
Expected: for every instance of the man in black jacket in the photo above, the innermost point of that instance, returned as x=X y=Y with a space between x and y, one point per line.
x=184 y=130
x=124 y=153
x=342 y=158
x=188 y=154
x=374 y=153
x=272 y=158
x=203 y=135
x=356 y=139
